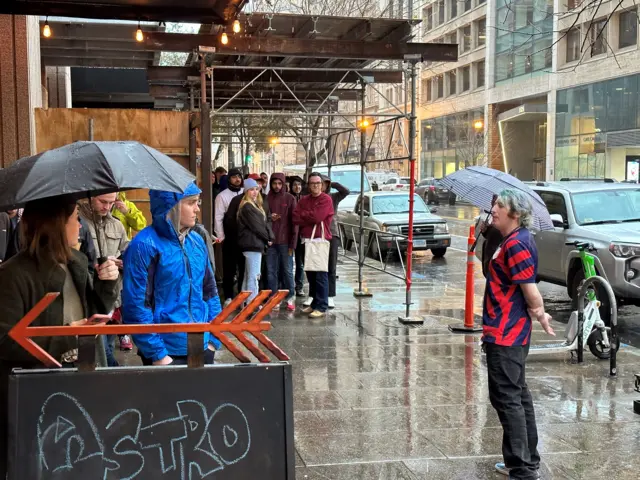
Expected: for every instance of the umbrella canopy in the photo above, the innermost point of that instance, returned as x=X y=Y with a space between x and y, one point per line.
x=83 y=168
x=478 y=185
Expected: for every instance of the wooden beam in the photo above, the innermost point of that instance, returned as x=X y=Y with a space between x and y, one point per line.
x=94 y=62
x=166 y=11
x=177 y=91
x=205 y=166
x=360 y=33
x=179 y=75
x=301 y=47
x=97 y=54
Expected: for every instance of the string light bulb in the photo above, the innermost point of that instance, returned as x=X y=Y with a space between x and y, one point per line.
x=236 y=26
x=224 y=39
x=139 y=34
x=46 y=30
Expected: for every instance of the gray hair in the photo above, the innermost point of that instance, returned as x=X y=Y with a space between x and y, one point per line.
x=518 y=205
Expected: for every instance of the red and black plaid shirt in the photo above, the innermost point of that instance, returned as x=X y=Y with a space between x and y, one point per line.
x=505 y=320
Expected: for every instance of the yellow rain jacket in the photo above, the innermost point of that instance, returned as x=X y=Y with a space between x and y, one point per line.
x=133 y=219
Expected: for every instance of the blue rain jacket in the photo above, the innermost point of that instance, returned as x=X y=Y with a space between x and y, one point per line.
x=168 y=281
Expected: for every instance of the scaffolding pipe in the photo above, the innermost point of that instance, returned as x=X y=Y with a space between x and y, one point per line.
x=304 y=69
x=268 y=113
x=363 y=156
x=412 y=176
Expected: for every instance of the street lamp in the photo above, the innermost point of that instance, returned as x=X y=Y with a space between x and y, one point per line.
x=478 y=126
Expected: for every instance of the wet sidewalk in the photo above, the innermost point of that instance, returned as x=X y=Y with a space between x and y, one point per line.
x=378 y=400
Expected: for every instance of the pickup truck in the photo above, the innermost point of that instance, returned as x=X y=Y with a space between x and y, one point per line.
x=389 y=212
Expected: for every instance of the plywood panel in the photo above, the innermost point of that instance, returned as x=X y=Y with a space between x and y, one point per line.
x=167 y=132
x=135 y=125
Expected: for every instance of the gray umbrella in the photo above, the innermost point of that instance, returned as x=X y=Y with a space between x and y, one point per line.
x=82 y=169
x=478 y=185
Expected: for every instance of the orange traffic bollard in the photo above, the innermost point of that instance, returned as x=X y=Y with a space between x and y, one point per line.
x=469 y=325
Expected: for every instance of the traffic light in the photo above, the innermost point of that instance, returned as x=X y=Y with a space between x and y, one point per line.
x=248 y=158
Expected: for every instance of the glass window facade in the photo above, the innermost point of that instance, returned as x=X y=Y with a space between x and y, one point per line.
x=450 y=143
x=584 y=115
x=628 y=29
x=524 y=34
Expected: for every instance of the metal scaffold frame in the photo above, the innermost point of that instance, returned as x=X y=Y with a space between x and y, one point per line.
x=352 y=120
x=290 y=76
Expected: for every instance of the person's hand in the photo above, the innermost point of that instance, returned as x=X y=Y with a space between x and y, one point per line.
x=274 y=217
x=118 y=262
x=164 y=361
x=120 y=205
x=108 y=270
x=544 y=318
x=482 y=226
x=291 y=252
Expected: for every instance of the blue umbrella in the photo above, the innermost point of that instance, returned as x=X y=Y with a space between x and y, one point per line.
x=478 y=185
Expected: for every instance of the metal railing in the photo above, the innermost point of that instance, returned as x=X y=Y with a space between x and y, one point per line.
x=373 y=237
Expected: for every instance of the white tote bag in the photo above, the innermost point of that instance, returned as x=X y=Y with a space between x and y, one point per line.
x=316 y=253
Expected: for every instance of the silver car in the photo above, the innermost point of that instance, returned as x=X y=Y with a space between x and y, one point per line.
x=604 y=214
x=389 y=212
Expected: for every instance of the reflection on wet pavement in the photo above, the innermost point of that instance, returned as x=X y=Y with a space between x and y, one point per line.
x=374 y=399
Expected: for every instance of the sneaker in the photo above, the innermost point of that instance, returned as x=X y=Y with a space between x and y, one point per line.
x=307 y=310
x=331 y=303
x=276 y=308
x=502 y=469
x=300 y=293
x=308 y=302
x=227 y=302
x=125 y=343
x=316 y=314
x=291 y=306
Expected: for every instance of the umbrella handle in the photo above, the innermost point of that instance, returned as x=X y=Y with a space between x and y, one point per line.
x=473 y=247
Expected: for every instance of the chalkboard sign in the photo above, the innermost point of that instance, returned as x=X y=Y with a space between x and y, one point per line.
x=218 y=422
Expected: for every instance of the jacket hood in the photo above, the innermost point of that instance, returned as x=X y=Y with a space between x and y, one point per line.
x=165 y=209
x=122 y=196
x=282 y=178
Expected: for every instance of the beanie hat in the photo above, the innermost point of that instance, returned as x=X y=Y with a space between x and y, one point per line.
x=250 y=183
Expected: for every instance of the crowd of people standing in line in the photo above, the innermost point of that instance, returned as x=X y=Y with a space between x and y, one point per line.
x=261 y=228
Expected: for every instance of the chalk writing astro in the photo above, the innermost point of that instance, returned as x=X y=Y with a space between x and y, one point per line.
x=192 y=444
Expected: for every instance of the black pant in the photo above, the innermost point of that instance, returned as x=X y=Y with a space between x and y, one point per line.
x=182 y=359
x=511 y=398
x=333 y=264
x=233 y=261
x=299 y=266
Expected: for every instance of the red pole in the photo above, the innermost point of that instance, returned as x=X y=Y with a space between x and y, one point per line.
x=412 y=176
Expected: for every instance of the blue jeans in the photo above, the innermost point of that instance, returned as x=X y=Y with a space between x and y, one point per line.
x=109 y=344
x=280 y=265
x=251 y=283
x=300 y=266
x=319 y=290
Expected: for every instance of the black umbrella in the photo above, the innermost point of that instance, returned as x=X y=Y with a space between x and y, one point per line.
x=84 y=169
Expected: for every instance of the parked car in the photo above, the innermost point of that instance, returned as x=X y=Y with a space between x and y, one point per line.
x=433 y=193
x=389 y=212
x=396 y=184
x=602 y=213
